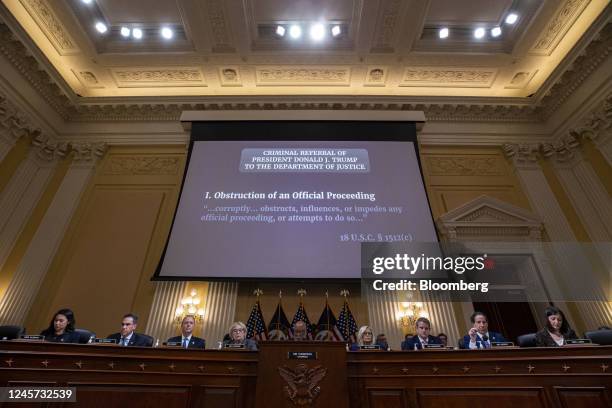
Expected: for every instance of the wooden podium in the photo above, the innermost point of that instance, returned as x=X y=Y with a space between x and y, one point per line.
x=302 y=374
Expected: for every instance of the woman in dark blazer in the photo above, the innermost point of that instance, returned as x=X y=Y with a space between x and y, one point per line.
x=556 y=329
x=61 y=328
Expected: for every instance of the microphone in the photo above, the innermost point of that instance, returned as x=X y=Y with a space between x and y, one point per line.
x=485 y=339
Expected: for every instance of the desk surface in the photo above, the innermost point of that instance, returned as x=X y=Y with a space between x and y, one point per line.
x=108 y=375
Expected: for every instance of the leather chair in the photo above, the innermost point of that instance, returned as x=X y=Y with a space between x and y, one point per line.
x=84 y=335
x=602 y=337
x=11 y=332
x=526 y=340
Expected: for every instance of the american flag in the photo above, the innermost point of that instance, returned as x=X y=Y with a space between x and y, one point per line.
x=279 y=320
x=327 y=321
x=256 y=327
x=300 y=314
x=347 y=324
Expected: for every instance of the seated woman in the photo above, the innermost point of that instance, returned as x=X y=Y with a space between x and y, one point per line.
x=237 y=334
x=556 y=329
x=365 y=337
x=61 y=328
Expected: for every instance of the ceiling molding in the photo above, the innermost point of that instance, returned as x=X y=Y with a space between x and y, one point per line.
x=466 y=109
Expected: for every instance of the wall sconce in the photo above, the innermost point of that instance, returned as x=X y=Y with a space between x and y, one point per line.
x=409 y=313
x=190 y=307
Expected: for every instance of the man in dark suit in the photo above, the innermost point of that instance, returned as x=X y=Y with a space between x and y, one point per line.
x=187 y=339
x=479 y=335
x=128 y=336
x=422 y=338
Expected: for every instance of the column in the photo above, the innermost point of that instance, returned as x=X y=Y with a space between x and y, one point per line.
x=588 y=196
x=219 y=311
x=20 y=196
x=543 y=201
x=29 y=274
x=168 y=295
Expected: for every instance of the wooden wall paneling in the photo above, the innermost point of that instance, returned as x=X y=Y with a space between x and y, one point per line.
x=583 y=397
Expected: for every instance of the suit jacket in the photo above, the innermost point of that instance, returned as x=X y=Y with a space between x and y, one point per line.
x=249 y=344
x=493 y=337
x=409 y=344
x=137 y=340
x=544 y=339
x=66 y=337
x=194 y=342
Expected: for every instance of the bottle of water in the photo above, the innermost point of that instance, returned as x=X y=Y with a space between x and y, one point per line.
x=91 y=339
x=156 y=343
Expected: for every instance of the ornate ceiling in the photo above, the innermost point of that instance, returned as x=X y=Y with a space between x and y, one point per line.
x=226 y=47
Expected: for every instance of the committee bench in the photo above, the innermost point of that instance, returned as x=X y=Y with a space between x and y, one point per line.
x=312 y=374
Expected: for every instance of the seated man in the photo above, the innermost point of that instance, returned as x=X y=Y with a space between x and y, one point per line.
x=381 y=340
x=127 y=336
x=300 y=331
x=422 y=338
x=187 y=339
x=479 y=335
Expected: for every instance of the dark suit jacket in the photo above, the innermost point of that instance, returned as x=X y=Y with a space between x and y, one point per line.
x=493 y=337
x=409 y=344
x=194 y=342
x=544 y=339
x=137 y=340
x=66 y=337
x=249 y=344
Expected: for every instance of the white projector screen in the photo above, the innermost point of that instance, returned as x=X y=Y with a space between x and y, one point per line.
x=293 y=209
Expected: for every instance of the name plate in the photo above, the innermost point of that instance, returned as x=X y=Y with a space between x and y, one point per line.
x=370 y=347
x=105 y=341
x=502 y=344
x=434 y=346
x=234 y=346
x=578 y=341
x=32 y=337
x=302 y=355
x=173 y=344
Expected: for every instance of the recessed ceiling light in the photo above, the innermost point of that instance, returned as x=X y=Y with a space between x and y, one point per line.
x=295 y=31
x=336 y=30
x=101 y=27
x=443 y=33
x=280 y=31
x=317 y=31
x=496 y=31
x=479 y=32
x=166 y=33
x=137 y=33
x=125 y=32
x=511 y=18
x=86 y=1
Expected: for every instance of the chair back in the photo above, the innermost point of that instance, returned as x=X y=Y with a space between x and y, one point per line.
x=602 y=337
x=84 y=335
x=11 y=332
x=526 y=340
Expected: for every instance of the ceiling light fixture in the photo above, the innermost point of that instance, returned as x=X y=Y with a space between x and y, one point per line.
x=443 y=33
x=166 y=33
x=496 y=31
x=336 y=30
x=479 y=32
x=86 y=1
x=125 y=32
x=317 y=31
x=511 y=18
x=295 y=31
x=280 y=31
x=137 y=33
x=101 y=27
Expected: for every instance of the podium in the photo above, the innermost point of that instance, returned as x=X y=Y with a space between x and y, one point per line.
x=302 y=374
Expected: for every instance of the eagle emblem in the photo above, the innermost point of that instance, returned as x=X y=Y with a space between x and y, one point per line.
x=302 y=383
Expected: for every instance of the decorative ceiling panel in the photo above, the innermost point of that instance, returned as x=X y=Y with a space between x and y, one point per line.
x=387 y=47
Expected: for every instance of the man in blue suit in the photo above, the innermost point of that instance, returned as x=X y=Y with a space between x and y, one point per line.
x=422 y=338
x=479 y=335
x=187 y=339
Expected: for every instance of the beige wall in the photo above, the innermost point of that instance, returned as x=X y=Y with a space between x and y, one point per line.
x=104 y=264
